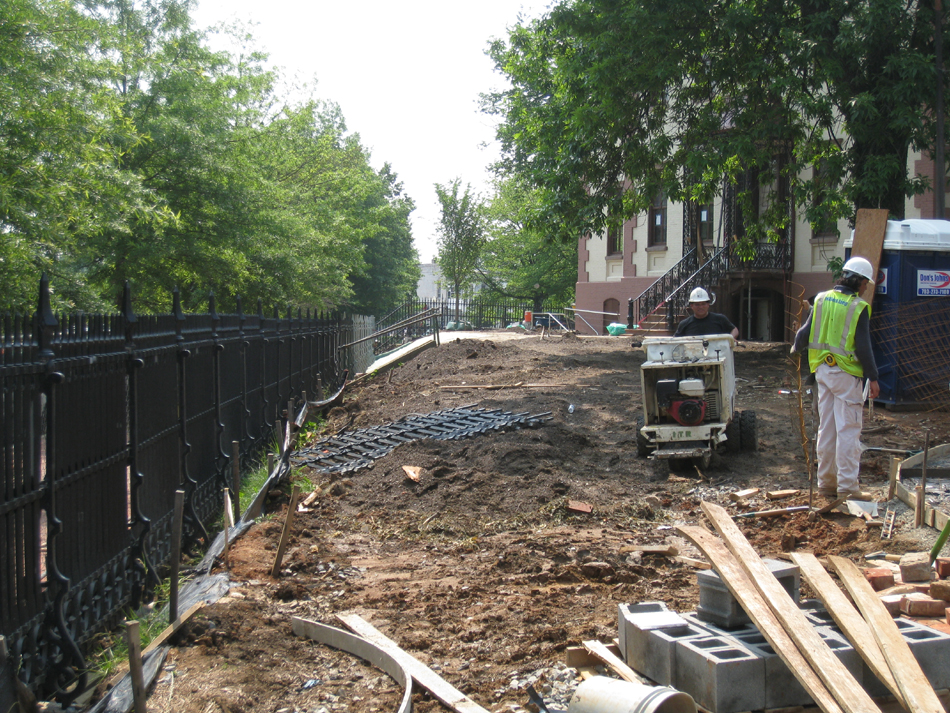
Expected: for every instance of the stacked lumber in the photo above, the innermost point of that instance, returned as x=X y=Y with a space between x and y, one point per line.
x=866 y=623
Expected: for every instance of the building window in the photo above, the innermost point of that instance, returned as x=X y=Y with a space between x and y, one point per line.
x=704 y=219
x=615 y=239
x=657 y=222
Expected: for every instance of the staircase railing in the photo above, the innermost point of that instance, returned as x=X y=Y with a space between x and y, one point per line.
x=654 y=296
x=708 y=276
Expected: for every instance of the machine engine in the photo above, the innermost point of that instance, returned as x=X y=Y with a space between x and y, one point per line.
x=682 y=400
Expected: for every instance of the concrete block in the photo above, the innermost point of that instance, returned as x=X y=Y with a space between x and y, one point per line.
x=915 y=567
x=782 y=689
x=879 y=578
x=693 y=618
x=648 y=635
x=721 y=675
x=943 y=566
x=931 y=648
x=718 y=606
x=918 y=604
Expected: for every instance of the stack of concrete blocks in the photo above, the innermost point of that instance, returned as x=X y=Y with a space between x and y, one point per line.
x=732 y=668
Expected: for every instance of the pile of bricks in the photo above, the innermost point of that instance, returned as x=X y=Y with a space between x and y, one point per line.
x=719 y=657
x=912 y=587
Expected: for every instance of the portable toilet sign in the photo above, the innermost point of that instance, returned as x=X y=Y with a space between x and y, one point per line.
x=933 y=283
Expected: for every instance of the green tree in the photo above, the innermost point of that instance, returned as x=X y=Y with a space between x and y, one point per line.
x=391 y=261
x=461 y=236
x=518 y=260
x=62 y=132
x=681 y=96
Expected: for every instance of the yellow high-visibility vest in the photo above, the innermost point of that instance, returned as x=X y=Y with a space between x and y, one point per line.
x=833 y=324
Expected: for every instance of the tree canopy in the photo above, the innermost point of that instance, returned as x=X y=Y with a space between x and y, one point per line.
x=130 y=151
x=613 y=101
x=519 y=260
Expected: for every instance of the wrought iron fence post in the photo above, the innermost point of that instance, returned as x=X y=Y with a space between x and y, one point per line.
x=191 y=518
x=263 y=384
x=62 y=674
x=222 y=457
x=245 y=428
x=140 y=567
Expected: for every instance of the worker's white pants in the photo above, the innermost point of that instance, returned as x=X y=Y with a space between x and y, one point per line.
x=840 y=400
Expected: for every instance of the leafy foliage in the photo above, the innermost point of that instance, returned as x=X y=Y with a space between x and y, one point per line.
x=129 y=151
x=519 y=260
x=461 y=236
x=613 y=101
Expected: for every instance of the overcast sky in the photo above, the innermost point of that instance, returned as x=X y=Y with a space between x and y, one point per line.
x=406 y=74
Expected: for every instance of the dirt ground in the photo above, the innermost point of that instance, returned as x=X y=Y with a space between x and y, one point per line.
x=480 y=570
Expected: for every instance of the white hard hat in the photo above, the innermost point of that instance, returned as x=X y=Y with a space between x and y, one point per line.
x=699 y=295
x=859 y=266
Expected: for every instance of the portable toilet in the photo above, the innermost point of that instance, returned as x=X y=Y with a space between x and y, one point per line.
x=910 y=314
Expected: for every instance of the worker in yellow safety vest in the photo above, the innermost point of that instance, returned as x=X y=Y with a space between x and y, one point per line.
x=838 y=338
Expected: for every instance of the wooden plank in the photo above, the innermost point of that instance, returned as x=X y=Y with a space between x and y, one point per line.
x=615 y=662
x=579 y=657
x=913 y=684
x=846 y=617
x=421 y=674
x=780 y=494
x=741 y=495
x=742 y=588
x=693 y=562
x=285 y=532
x=345 y=641
x=836 y=677
x=869 y=228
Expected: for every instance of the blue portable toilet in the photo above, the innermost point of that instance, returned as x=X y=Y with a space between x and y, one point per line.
x=910 y=315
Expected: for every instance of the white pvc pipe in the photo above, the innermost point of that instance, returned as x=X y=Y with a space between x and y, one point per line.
x=600 y=694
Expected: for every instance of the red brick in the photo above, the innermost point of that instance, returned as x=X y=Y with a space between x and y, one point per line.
x=879 y=578
x=940 y=590
x=943 y=567
x=922 y=605
x=892 y=602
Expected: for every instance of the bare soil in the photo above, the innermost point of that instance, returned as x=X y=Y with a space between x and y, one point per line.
x=480 y=569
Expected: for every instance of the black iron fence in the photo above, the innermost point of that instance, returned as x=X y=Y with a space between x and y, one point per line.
x=104 y=417
x=479 y=312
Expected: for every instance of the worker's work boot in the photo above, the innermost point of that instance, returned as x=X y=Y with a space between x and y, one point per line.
x=827 y=492
x=856 y=495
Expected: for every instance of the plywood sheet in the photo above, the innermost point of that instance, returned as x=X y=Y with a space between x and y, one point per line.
x=869 y=229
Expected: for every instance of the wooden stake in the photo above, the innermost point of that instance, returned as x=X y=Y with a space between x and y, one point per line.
x=921 y=491
x=285 y=533
x=175 y=555
x=270 y=464
x=135 y=665
x=892 y=479
x=228 y=524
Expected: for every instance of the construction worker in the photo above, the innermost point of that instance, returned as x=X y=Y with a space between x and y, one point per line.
x=838 y=339
x=702 y=321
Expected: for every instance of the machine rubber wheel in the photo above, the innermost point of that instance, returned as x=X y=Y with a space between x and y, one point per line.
x=733 y=434
x=749 y=430
x=643 y=445
x=661 y=469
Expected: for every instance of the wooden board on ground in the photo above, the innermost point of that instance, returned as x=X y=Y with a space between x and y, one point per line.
x=421 y=674
x=780 y=494
x=742 y=588
x=615 y=662
x=913 y=684
x=846 y=690
x=741 y=495
x=579 y=657
x=869 y=228
x=932 y=516
x=846 y=617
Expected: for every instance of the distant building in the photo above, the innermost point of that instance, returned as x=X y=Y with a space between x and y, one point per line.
x=431 y=285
